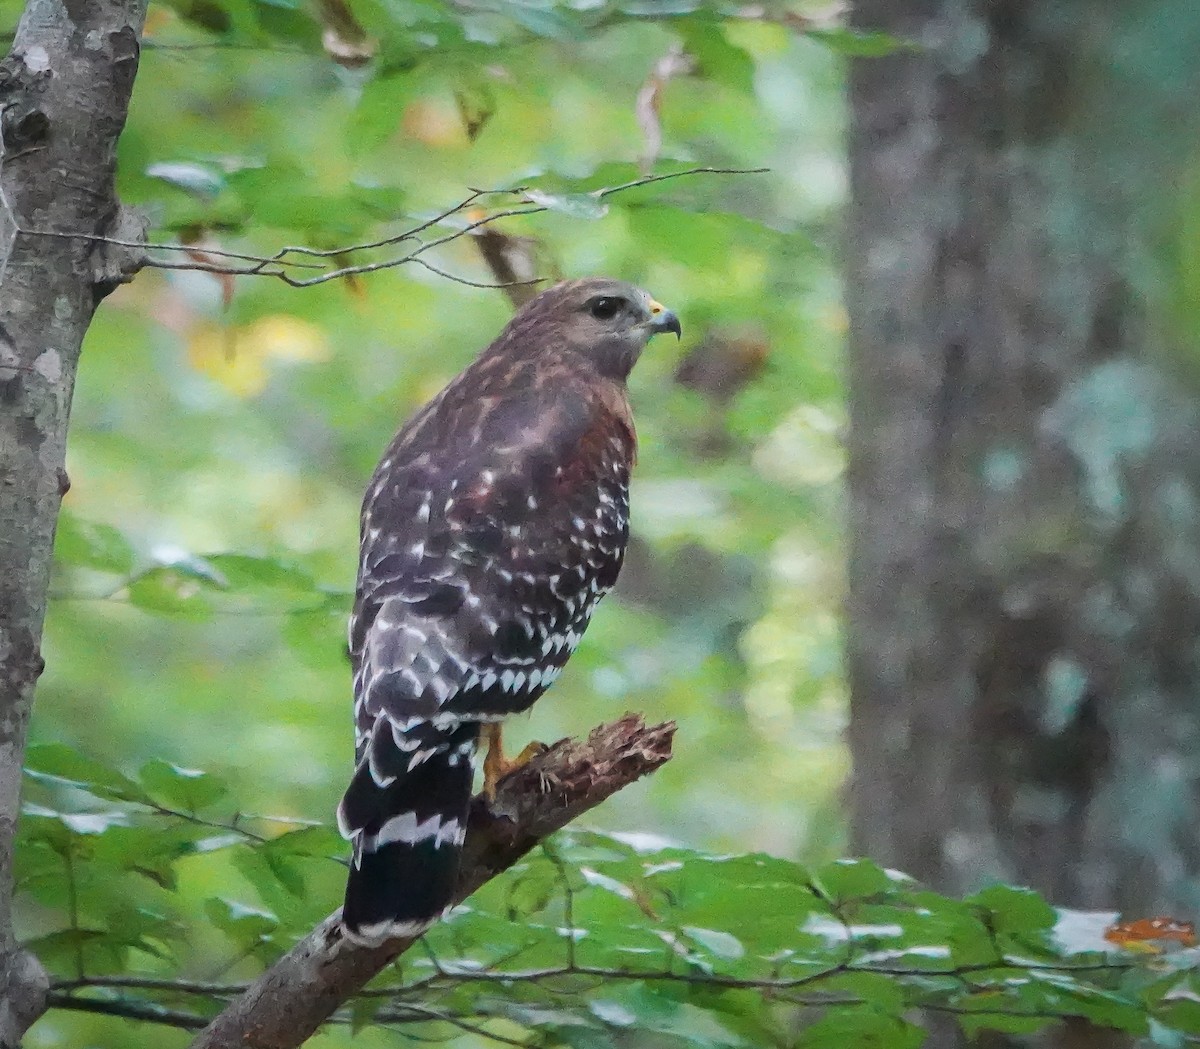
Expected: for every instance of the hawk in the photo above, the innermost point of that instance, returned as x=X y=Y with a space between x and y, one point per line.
x=495 y=521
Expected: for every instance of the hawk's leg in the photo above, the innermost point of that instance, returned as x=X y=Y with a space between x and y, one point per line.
x=495 y=765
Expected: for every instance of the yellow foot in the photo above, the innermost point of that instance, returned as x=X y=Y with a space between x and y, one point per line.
x=495 y=765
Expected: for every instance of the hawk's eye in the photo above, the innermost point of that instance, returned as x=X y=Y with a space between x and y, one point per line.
x=606 y=307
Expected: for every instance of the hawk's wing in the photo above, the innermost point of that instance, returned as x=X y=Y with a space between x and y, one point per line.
x=487 y=538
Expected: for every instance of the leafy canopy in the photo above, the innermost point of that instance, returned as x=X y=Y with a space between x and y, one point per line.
x=593 y=934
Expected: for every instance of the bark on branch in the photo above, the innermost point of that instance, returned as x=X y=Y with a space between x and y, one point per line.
x=300 y=991
x=64 y=94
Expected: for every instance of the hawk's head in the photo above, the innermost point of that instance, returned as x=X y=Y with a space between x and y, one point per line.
x=607 y=321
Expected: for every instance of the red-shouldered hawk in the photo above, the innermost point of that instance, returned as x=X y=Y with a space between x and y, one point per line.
x=495 y=521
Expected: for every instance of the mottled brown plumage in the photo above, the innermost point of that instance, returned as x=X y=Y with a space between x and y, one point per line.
x=495 y=521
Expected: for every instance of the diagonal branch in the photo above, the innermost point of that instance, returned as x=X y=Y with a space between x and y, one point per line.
x=303 y=989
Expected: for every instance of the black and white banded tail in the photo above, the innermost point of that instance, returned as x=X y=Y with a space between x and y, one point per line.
x=406 y=813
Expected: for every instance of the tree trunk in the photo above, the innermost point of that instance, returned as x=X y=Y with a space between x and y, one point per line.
x=64 y=92
x=1025 y=473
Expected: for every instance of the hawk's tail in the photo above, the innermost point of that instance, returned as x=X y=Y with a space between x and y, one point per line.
x=406 y=813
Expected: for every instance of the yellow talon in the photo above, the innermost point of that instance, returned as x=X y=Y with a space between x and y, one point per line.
x=495 y=765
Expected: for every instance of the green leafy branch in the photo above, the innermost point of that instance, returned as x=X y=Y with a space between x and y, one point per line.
x=402 y=1009
x=404 y=1005
x=591 y=933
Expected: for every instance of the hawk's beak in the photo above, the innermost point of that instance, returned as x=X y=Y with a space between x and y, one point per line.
x=663 y=319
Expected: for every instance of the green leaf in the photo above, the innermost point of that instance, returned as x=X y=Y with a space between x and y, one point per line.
x=543 y=21
x=190 y=790
x=860 y=44
x=211 y=15
x=716 y=58
x=60 y=951
x=881 y=993
x=241 y=572
x=281 y=869
x=721 y=944
x=376 y=117
x=845 y=880
x=861 y=1027
x=317 y=635
x=197 y=179
x=1014 y=910
x=246 y=926
x=362 y=1012
x=282 y=195
x=48 y=820
x=973 y=1023
x=576 y=205
x=61 y=763
x=318 y=842
x=1071 y=996
x=88 y=544
x=151 y=851
x=685 y=234
x=176 y=590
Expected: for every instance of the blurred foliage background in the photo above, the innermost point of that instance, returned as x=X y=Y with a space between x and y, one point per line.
x=223 y=430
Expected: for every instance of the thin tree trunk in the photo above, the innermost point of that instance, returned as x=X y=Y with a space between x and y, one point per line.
x=64 y=92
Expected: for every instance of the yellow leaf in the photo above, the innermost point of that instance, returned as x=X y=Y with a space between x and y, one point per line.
x=434 y=122
x=214 y=351
x=286 y=338
x=238 y=358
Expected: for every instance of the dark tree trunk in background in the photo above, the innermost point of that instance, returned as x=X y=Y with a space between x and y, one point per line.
x=1025 y=470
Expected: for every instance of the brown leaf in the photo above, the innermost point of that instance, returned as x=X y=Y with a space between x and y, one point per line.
x=1142 y=933
x=353 y=282
x=648 y=107
x=197 y=254
x=476 y=106
x=721 y=365
x=510 y=259
x=343 y=37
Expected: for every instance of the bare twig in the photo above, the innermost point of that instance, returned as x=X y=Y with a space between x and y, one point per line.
x=445 y=978
x=564 y=879
x=279 y=264
x=423 y=1014
x=128 y=1009
x=150 y=983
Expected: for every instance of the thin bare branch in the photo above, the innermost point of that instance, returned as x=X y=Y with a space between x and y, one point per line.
x=128 y=1009
x=445 y=978
x=93 y=238
x=278 y=264
x=150 y=983
x=408 y=234
x=422 y=1014
x=474 y=283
